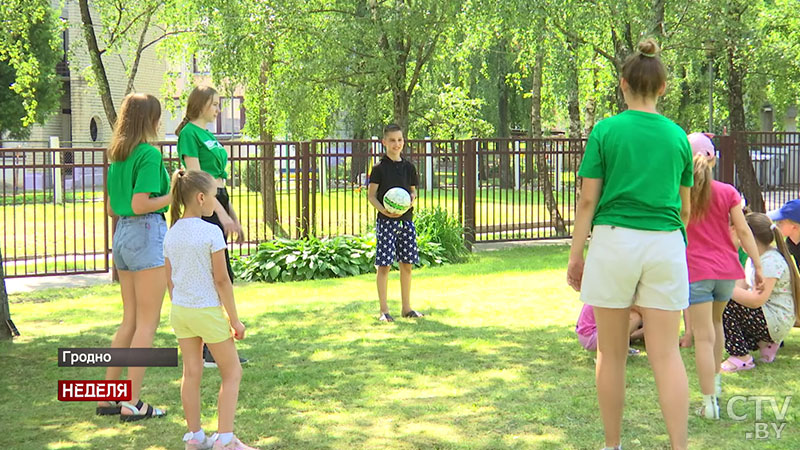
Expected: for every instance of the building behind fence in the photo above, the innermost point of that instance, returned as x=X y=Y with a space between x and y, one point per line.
x=54 y=217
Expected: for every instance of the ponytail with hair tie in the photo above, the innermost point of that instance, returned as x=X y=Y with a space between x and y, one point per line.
x=185 y=183
x=181 y=125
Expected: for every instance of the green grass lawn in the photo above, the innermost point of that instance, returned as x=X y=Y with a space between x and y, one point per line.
x=494 y=365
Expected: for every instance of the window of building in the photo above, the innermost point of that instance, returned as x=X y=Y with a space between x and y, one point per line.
x=94 y=132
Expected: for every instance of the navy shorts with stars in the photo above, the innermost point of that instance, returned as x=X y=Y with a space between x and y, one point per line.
x=396 y=240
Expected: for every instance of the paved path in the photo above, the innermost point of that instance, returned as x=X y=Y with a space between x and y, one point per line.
x=17 y=285
x=494 y=246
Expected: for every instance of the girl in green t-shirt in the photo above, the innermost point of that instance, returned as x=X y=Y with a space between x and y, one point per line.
x=138 y=190
x=637 y=170
x=199 y=149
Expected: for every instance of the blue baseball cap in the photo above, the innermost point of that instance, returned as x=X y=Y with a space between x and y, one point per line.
x=789 y=211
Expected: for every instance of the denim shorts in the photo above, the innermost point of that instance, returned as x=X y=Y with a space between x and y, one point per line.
x=707 y=290
x=138 y=242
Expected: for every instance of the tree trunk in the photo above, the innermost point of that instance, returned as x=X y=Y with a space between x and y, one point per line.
x=536 y=116
x=657 y=20
x=684 y=111
x=135 y=66
x=268 y=194
x=5 y=314
x=543 y=171
x=400 y=111
x=591 y=102
x=503 y=157
x=622 y=48
x=103 y=88
x=748 y=183
x=358 y=164
x=573 y=106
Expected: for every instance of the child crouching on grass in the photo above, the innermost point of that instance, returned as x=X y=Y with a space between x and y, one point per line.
x=587 y=328
x=760 y=320
x=199 y=286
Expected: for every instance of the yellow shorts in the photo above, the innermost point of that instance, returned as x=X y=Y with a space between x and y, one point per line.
x=209 y=324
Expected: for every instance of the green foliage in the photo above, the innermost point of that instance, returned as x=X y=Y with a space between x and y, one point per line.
x=315 y=259
x=437 y=226
x=30 y=48
x=252 y=176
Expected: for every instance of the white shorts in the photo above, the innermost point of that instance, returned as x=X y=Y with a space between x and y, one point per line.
x=627 y=267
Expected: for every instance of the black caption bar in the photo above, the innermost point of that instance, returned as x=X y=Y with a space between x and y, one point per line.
x=117 y=357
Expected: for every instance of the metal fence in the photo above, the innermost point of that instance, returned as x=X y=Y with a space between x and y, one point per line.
x=54 y=218
x=776 y=161
x=54 y=209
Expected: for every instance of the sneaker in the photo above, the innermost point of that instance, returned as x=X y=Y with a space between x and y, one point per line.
x=194 y=444
x=709 y=410
x=234 y=444
x=208 y=359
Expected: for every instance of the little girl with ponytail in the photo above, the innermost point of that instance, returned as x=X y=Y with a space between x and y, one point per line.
x=203 y=308
x=760 y=320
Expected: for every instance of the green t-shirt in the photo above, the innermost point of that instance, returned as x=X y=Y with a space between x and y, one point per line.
x=143 y=171
x=201 y=144
x=643 y=159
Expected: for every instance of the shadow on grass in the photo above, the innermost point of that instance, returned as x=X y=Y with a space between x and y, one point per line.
x=327 y=375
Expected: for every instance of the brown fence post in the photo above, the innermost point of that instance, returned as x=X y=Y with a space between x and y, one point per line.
x=470 y=188
x=107 y=237
x=727 y=148
x=305 y=180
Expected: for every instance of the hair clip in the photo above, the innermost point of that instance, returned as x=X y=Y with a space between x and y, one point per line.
x=773 y=227
x=649 y=55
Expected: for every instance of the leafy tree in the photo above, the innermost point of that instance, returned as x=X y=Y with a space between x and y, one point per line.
x=30 y=49
x=128 y=29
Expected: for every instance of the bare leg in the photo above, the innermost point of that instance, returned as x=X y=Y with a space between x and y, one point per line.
x=704 y=341
x=192 y=350
x=635 y=329
x=612 y=355
x=661 y=340
x=719 y=334
x=151 y=284
x=128 y=326
x=405 y=286
x=686 y=339
x=231 y=372
x=383 y=282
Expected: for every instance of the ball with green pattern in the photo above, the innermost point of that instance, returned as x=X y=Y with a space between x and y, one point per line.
x=397 y=200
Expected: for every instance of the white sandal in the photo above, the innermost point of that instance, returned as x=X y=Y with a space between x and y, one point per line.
x=138 y=414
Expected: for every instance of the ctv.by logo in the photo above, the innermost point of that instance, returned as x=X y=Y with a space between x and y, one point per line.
x=763 y=430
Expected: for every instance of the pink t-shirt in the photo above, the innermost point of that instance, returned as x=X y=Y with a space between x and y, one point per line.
x=586 y=324
x=711 y=254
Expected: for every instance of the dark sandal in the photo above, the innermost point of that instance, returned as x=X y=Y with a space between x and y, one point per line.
x=112 y=410
x=137 y=412
x=386 y=317
x=413 y=314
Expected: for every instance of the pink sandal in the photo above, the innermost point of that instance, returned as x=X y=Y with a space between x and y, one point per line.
x=735 y=364
x=769 y=351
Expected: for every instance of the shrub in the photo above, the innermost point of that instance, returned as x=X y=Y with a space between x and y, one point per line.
x=435 y=225
x=314 y=259
x=252 y=176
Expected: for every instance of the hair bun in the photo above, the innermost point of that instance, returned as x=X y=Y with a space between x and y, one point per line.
x=648 y=47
